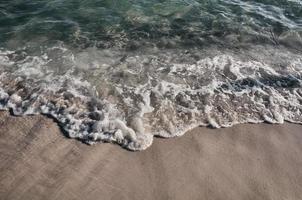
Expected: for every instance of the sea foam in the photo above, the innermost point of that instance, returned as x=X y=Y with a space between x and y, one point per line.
x=129 y=97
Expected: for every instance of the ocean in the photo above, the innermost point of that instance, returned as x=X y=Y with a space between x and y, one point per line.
x=125 y=71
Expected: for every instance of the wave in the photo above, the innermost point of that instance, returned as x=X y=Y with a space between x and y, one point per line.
x=128 y=97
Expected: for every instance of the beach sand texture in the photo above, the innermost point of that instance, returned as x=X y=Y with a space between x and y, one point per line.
x=243 y=162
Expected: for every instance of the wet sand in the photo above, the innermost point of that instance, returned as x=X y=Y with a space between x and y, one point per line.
x=243 y=162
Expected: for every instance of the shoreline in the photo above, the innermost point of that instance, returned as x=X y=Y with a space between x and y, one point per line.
x=247 y=161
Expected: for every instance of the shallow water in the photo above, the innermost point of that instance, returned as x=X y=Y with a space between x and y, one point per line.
x=125 y=71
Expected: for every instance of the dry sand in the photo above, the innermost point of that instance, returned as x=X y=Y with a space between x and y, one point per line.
x=244 y=162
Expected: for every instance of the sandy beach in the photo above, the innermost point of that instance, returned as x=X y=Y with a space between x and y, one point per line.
x=243 y=162
x=85 y=85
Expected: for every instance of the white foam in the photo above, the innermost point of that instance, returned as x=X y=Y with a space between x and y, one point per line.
x=97 y=96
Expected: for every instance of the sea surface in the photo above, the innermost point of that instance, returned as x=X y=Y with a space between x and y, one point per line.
x=124 y=71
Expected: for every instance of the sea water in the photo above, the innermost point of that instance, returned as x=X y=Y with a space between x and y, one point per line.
x=124 y=71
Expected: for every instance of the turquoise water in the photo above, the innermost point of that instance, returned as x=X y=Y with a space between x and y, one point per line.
x=124 y=71
x=119 y=22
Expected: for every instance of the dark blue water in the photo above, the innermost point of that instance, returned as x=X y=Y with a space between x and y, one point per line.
x=123 y=71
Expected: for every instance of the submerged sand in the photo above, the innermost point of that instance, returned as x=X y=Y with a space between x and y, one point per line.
x=243 y=162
